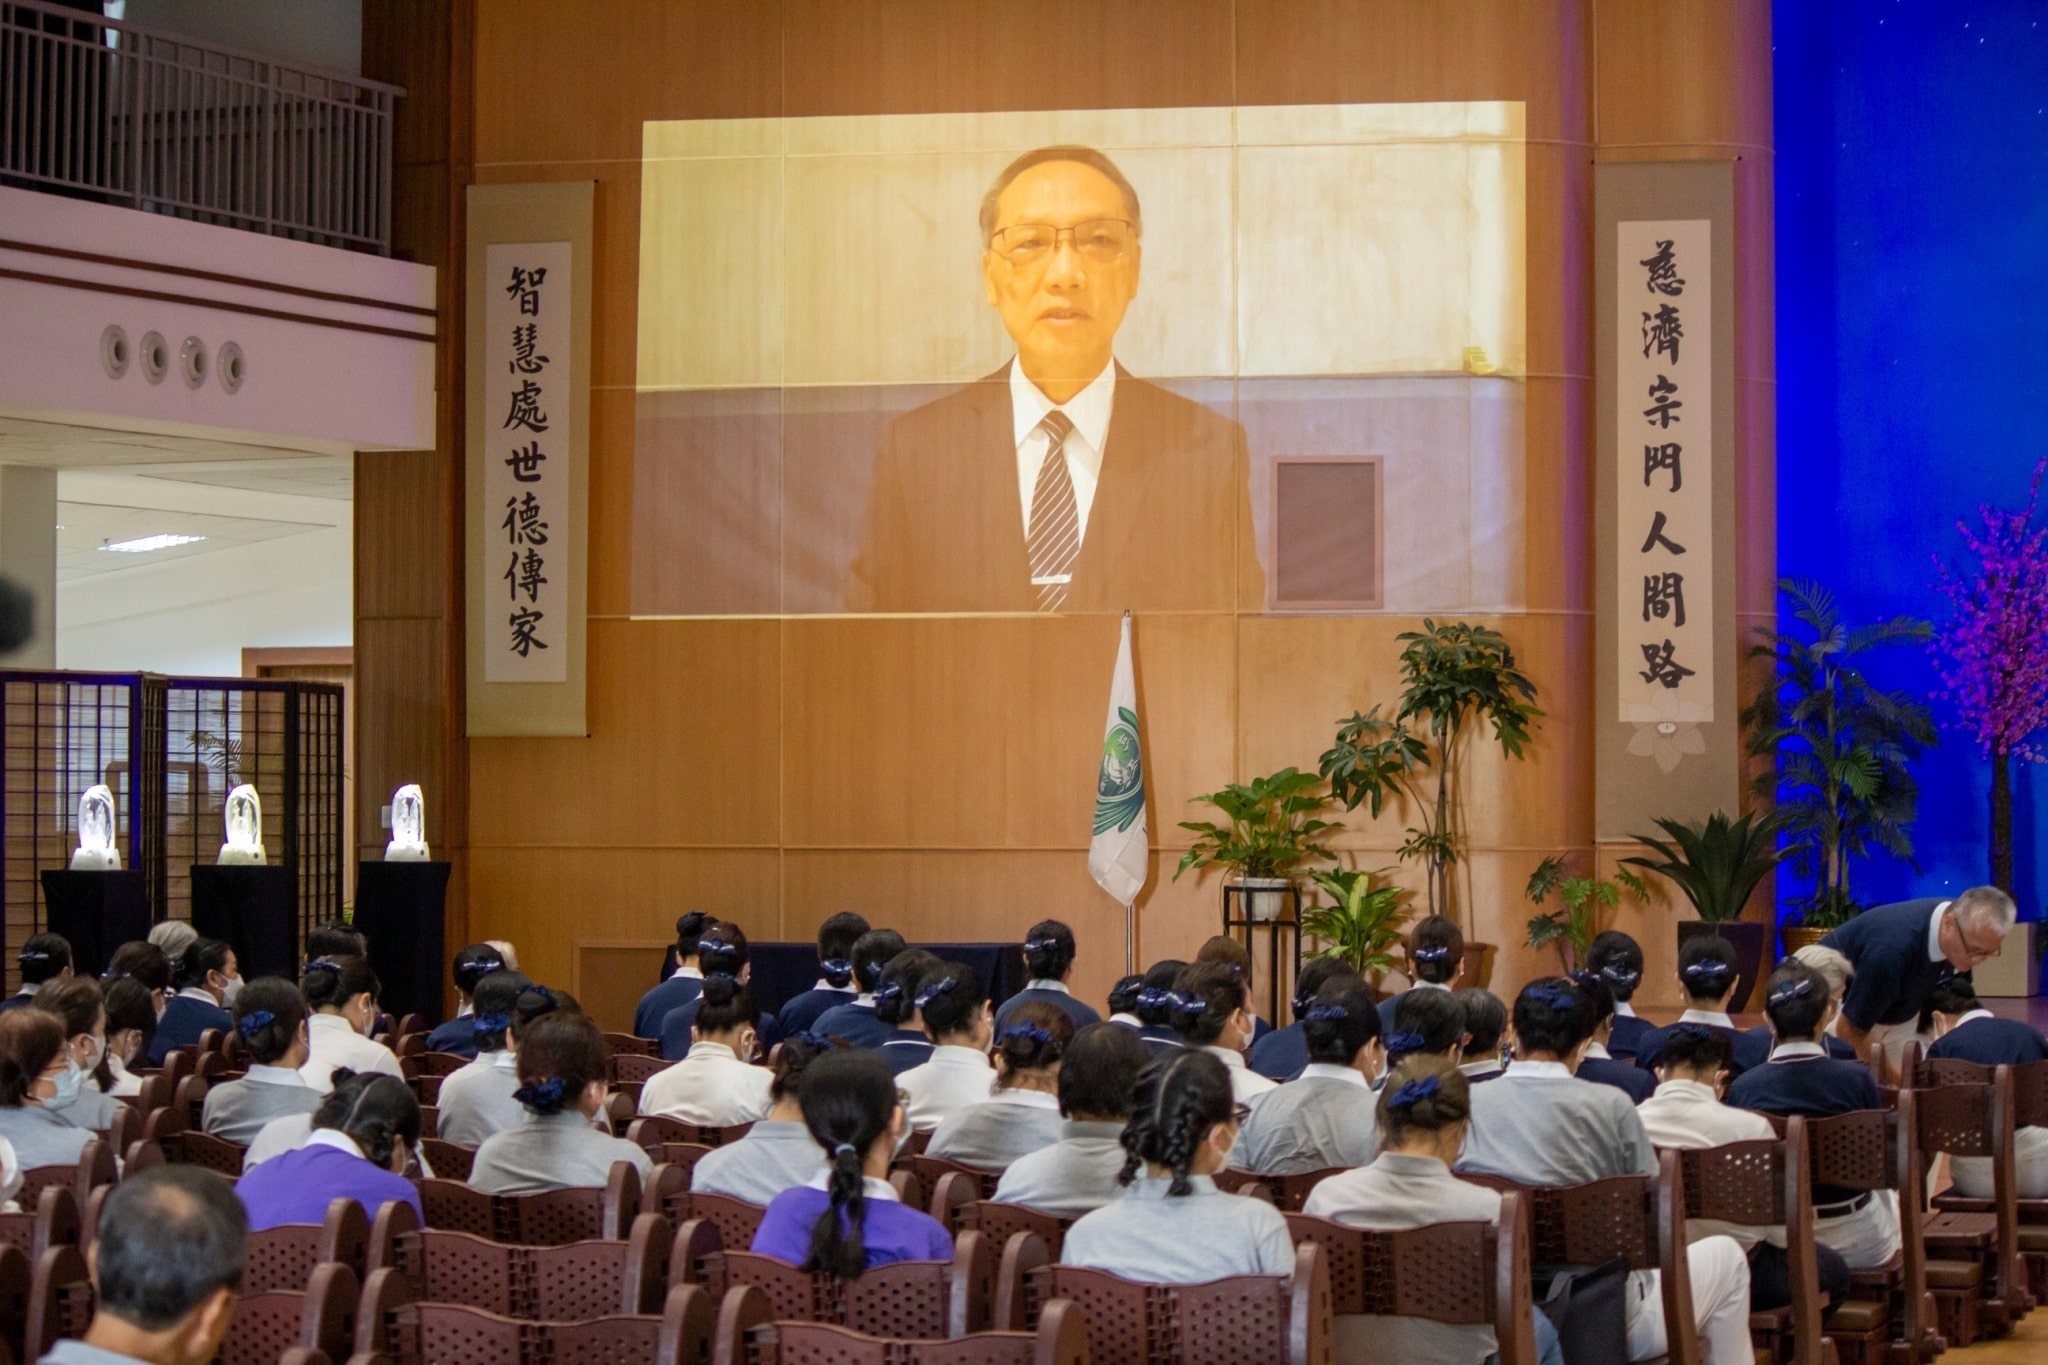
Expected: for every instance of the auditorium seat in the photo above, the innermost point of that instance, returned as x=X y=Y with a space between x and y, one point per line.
x=1245 y=1317
x=548 y=1219
x=925 y=1300
x=569 y=1281
x=54 y=1221
x=748 y=1331
x=1765 y=1184
x=285 y=1257
x=456 y=1334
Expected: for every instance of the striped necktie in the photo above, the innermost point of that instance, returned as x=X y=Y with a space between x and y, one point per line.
x=1055 y=535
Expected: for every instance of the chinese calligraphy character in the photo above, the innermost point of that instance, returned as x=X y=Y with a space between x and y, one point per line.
x=1663 y=409
x=525 y=287
x=524 y=574
x=1664 y=595
x=526 y=408
x=1662 y=331
x=1663 y=457
x=522 y=523
x=1663 y=267
x=525 y=462
x=1663 y=668
x=526 y=338
x=524 y=623
x=1657 y=537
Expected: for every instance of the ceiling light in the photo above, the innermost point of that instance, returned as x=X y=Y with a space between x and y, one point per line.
x=147 y=543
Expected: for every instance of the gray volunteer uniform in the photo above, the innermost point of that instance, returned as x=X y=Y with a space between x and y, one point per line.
x=774 y=1156
x=552 y=1152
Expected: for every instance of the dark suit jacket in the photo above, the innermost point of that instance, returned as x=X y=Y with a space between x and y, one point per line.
x=1170 y=520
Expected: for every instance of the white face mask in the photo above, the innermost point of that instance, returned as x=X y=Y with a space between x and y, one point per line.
x=229 y=990
x=92 y=1058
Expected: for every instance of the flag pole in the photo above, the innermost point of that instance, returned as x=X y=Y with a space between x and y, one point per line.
x=1130 y=939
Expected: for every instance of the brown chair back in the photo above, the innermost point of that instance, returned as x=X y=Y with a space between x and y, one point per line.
x=748 y=1331
x=212 y=1153
x=451 y=1161
x=319 y=1318
x=55 y=1221
x=627 y=1045
x=931 y=1169
x=1765 y=1184
x=1245 y=1317
x=1878 y=1149
x=60 y=1301
x=283 y=1258
x=627 y=1068
x=998 y=1223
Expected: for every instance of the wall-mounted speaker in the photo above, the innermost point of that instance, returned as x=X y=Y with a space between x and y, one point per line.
x=1327 y=534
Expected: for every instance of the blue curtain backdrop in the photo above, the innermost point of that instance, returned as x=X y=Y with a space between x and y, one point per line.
x=1912 y=277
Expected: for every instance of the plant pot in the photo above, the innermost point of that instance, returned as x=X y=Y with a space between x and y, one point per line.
x=1266 y=897
x=1746 y=938
x=1797 y=936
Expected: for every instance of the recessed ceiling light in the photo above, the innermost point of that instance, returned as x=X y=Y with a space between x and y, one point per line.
x=147 y=543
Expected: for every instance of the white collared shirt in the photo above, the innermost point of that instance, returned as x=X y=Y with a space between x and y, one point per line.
x=1089 y=411
x=1330 y=1071
x=689 y=973
x=273 y=1075
x=189 y=993
x=1973 y=1014
x=1624 y=1010
x=1041 y=983
x=1685 y=1114
x=1792 y=1052
x=1597 y=1052
x=709 y=1086
x=1127 y=1020
x=1711 y=1018
x=946 y=1084
x=1485 y=1066
x=334 y=1042
x=825 y=985
x=1934 y=953
x=1246 y=1085
x=335 y=1138
x=871 y=1187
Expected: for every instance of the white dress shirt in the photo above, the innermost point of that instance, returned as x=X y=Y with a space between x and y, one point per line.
x=1707 y=1018
x=710 y=1086
x=1934 y=953
x=1246 y=1085
x=1089 y=411
x=1041 y=983
x=333 y=1042
x=1687 y=1116
x=953 y=1079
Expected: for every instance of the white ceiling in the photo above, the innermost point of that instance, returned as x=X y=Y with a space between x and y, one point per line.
x=72 y=445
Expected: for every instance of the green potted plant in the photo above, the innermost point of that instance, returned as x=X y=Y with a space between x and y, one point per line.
x=1718 y=863
x=1361 y=926
x=1274 y=825
x=1455 y=678
x=1570 y=928
x=1841 y=747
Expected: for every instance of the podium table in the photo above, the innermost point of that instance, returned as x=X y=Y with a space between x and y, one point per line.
x=255 y=910
x=399 y=909
x=96 y=912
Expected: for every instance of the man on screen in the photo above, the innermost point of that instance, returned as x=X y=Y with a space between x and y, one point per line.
x=1059 y=483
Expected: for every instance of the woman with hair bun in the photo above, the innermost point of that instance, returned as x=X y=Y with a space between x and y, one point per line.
x=907 y=1042
x=681 y=985
x=1423 y=1113
x=207 y=977
x=78 y=1002
x=847 y=1219
x=1324 y=1117
x=1123 y=1002
x=777 y=1153
x=562 y=1085
x=716 y=1084
x=836 y=937
x=476 y=1099
x=270 y=1021
x=362 y=1139
x=1173 y=1226
x=1213 y=1011
x=953 y=1005
x=342 y=993
x=131 y=1024
x=855 y=1020
x=1049 y=962
x=1156 y=1004
x=1023 y=1114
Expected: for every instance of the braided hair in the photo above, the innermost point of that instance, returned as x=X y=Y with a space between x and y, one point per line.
x=377 y=1111
x=1049 y=951
x=849 y=1101
x=1035 y=1038
x=1179 y=1098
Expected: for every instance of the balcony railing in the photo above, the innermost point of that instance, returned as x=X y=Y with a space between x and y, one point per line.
x=108 y=110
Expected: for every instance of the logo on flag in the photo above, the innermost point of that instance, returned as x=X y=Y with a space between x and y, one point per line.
x=1118 y=857
x=1120 y=789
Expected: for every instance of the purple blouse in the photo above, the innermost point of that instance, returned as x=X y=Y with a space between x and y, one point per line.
x=890 y=1231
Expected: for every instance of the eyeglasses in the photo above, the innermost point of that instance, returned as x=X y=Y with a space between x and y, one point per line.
x=1101 y=240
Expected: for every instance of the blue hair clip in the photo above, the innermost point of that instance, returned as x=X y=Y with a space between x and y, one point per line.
x=321 y=964
x=34 y=955
x=1413 y=1091
x=1041 y=945
x=544 y=993
x=1621 y=976
x=1028 y=1031
x=836 y=966
x=254 y=1022
x=1692 y=1030
x=1434 y=952
x=1790 y=991
x=545 y=1094
x=1187 y=1002
x=1706 y=969
x=482 y=1024
x=1398 y=1043
x=891 y=992
x=943 y=986
x=1326 y=1014
x=1555 y=997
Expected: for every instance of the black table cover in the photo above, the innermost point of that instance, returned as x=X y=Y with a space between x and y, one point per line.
x=96 y=912
x=399 y=908
x=255 y=910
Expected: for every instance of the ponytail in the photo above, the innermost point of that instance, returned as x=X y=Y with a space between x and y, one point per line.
x=1178 y=1100
x=848 y=1098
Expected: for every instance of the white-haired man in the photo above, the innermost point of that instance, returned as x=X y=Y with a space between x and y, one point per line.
x=1902 y=952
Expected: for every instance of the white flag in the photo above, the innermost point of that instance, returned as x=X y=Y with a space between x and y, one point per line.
x=1117 y=854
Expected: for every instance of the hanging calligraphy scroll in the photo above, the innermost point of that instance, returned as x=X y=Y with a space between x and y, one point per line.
x=528 y=440
x=1666 y=701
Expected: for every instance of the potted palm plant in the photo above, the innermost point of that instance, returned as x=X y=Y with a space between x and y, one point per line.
x=1361 y=926
x=1571 y=927
x=1718 y=863
x=1274 y=824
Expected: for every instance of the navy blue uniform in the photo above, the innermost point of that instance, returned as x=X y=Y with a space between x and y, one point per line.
x=799 y=1012
x=1991 y=1041
x=1161 y=1039
x=675 y=1031
x=185 y=1018
x=1888 y=946
x=20 y=1000
x=654 y=1007
x=1817 y=1087
x=905 y=1048
x=1081 y=1013
x=1632 y=1080
x=457 y=1037
x=854 y=1022
x=1626 y=1039
x=1745 y=1050
x=1281 y=1054
x=1760 y=1037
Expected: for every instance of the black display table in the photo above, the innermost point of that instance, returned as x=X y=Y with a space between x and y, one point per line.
x=399 y=909
x=96 y=912
x=783 y=971
x=255 y=910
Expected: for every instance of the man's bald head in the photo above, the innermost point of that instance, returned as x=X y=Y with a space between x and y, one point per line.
x=170 y=1238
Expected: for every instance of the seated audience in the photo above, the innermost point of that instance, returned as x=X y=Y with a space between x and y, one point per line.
x=476 y=1101
x=1427 y=1024
x=1323 y=1117
x=907 y=1043
x=954 y=1006
x=1800 y=1078
x=1156 y=1007
x=1228 y=951
x=1282 y=1053
x=1436 y=960
x=1212 y=1010
x=145 y=964
x=43 y=959
x=336 y=938
x=472 y=964
x=836 y=937
x=1837 y=971
x=1082 y=1170
x=1599 y=1065
x=168 y=1260
x=1421 y=1120
x=78 y=1002
x=846 y=1219
x=1049 y=960
x=131 y=1023
x=1685 y=1113
x=855 y=1020
x=172 y=937
x=342 y=993
x=683 y=983
x=716 y=1084
x=1173 y=1226
x=1967 y=1032
x=39 y=1084
x=778 y=1152
x=1023 y=1115
x=722 y=950
x=204 y=976
x=1541 y=1125
x=1485 y=1019
x=1123 y=1002
x=562 y=1085
x=363 y=1135
x=1619 y=958
x=270 y=1020
x=1708 y=974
